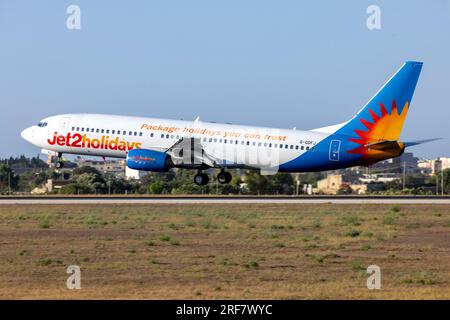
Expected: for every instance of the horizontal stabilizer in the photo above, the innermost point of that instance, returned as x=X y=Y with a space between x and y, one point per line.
x=414 y=143
x=385 y=145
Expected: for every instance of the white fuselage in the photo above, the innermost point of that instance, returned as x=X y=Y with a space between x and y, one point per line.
x=114 y=136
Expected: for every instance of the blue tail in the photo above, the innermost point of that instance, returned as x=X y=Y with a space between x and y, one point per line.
x=383 y=116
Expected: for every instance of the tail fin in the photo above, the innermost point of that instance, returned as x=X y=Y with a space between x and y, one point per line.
x=383 y=116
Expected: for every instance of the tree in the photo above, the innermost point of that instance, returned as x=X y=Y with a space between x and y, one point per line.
x=8 y=180
x=156 y=187
x=437 y=179
x=86 y=180
x=311 y=178
x=24 y=162
x=280 y=183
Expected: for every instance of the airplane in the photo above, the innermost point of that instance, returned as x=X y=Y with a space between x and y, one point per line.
x=153 y=144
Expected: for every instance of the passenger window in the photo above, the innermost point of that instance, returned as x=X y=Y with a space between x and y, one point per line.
x=98 y=130
x=307 y=148
x=210 y=139
x=254 y=143
x=167 y=136
x=281 y=146
x=162 y=136
x=292 y=147
x=92 y=129
x=82 y=129
x=237 y=142
x=259 y=144
x=296 y=147
x=225 y=141
x=265 y=144
x=103 y=130
x=107 y=131
x=302 y=147
x=135 y=133
x=140 y=134
x=286 y=146
x=113 y=132
x=215 y=139
x=118 y=131
x=73 y=128
x=172 y=137
x=151 y=135
x=248 y=143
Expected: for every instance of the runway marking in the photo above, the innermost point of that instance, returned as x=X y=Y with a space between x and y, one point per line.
x=220 y=201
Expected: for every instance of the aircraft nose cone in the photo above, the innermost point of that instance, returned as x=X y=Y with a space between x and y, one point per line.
x=27 y=134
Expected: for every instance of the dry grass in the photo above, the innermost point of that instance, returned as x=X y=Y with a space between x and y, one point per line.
x=294 y=251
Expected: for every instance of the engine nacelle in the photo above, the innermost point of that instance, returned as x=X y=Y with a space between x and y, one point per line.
x=148 y=160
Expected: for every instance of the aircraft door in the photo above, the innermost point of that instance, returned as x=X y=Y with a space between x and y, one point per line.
x=59 y=126
x=335 y=146
x=63 y=125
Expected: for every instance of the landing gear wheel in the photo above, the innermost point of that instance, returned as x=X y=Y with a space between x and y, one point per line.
x=224 y=177
x=59 y=164
x=201 y=179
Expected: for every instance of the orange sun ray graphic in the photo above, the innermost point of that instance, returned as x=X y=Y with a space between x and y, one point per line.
x=386 y=126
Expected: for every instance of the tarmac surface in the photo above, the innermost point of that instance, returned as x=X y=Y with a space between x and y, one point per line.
x=74 y=200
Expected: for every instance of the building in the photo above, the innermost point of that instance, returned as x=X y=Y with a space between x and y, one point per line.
x=425 y=166
x=439 y=164
x=116 y=167
x=50 y=186
x=406 y=162
x=334 y=182
x=133 y=174
x=379 y=177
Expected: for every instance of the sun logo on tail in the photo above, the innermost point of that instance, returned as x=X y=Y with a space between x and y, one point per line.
x=388 y=126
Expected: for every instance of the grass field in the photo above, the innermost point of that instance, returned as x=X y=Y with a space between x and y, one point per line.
x=289 y=251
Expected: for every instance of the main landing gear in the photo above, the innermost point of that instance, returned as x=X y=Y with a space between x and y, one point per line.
x=202 y=179
x=224 y=177
x=59 y=164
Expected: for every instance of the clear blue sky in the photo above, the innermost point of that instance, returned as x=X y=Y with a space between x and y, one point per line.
x=270 y=63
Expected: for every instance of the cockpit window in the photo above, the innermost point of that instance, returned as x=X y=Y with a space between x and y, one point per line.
x=42 y=124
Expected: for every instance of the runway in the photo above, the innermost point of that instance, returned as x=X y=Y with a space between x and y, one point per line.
x=73 y=200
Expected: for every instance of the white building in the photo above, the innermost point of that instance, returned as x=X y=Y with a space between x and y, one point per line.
x=116 y=167
x=425 y=166
x=132 y=174
x=440 y=164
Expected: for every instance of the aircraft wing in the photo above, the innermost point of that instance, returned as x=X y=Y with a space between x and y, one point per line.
x=189 y=151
